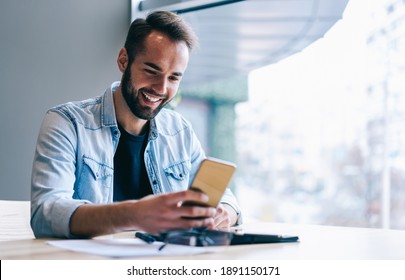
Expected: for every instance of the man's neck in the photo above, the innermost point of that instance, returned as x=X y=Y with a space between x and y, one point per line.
x=132 y=124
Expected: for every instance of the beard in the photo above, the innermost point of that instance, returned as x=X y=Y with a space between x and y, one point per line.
x=132 y=95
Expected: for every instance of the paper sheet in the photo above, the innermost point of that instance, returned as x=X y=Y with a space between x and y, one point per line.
x=120 y=248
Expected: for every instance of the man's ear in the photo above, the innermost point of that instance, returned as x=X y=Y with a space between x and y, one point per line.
x=122 y=60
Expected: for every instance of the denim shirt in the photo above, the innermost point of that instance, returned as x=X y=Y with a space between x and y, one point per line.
x=73 y=162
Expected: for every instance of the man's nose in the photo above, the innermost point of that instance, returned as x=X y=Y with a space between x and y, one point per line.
x=160 y=86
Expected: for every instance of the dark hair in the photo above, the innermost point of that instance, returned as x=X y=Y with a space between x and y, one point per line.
x=166 y=22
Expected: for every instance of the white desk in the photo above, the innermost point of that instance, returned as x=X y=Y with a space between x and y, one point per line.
x=316 y=242
x=15 y=220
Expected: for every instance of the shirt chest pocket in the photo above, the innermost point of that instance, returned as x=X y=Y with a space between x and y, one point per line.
x=94 y=181
x=178 y=175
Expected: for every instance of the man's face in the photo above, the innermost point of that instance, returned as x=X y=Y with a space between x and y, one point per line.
x=152 y=80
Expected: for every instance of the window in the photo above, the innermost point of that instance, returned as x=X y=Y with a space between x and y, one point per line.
x=322 y=137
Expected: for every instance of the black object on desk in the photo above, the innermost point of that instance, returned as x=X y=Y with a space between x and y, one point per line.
x=148 y=238
x=204 y=237
x=253 y=238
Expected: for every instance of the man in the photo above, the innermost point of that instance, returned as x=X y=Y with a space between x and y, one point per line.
x=121 y=161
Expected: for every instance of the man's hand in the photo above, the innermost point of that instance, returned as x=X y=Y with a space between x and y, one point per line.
x=165 y=212
x=225 y=217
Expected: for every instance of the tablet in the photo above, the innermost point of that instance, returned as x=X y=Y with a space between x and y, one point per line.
x=253 y=238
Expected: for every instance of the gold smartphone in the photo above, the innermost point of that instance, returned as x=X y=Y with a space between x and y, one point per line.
x=212 y=178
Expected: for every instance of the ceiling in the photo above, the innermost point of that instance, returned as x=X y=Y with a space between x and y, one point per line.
x=239 y=36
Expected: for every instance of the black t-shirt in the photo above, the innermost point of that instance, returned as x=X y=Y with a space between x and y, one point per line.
x=130 y=178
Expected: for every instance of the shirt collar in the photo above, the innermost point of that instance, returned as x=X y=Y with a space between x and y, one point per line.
x=108 y=117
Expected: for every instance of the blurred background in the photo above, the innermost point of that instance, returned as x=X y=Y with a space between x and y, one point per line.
x=305 y=96
x=321 y=138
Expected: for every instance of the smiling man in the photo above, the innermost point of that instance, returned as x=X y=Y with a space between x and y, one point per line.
x=121 y=161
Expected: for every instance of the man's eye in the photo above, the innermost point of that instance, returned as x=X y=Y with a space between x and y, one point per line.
x=174 y=78
x=150 y=72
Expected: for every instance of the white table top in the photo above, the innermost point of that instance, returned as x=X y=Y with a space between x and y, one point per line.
x=15 y=220
x=316 y=242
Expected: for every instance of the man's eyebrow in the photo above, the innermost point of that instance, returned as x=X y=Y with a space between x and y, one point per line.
x=157 y=68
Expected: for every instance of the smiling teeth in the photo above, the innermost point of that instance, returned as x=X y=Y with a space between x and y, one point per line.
x=151 y=99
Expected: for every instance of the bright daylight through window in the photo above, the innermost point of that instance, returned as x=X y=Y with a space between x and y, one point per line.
x=322 y=138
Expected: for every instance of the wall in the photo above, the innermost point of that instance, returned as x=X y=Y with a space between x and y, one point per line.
x=51 y=51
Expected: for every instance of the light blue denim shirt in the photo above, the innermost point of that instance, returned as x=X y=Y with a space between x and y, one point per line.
x=74 y=160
